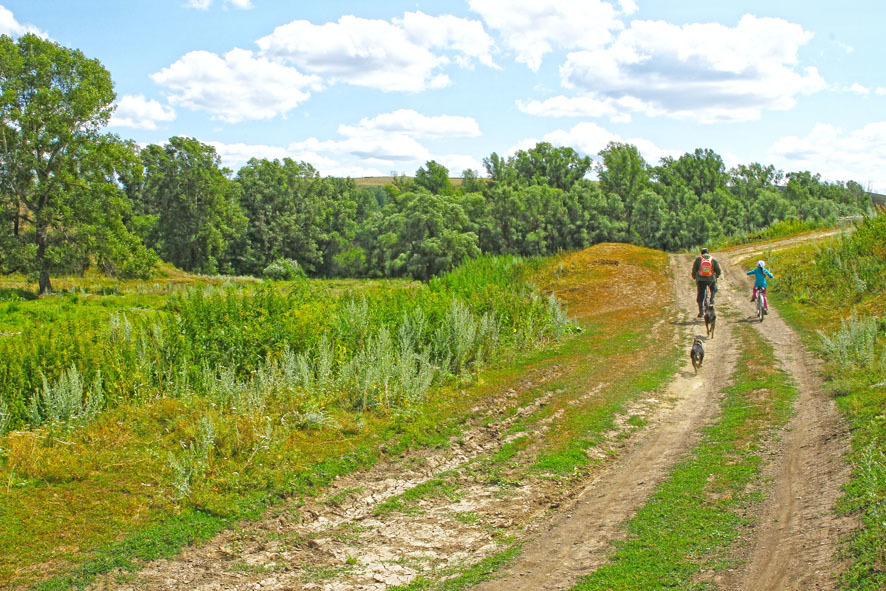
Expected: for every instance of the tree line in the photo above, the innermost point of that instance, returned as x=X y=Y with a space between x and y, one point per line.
x=73 y=196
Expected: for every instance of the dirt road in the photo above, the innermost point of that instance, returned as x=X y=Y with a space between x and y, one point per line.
x=355 y=538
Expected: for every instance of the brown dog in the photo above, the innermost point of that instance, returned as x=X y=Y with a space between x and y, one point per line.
x=696 y=354
x=710 y=319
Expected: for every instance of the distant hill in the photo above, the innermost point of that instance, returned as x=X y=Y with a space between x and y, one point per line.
x=878 y=198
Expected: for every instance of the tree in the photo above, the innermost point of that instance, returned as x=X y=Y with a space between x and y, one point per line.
x=194 y=206
x=434 y=177
x=470 y=182
x=650 y=216
x=280 y=202
x=625 y=173
x=702 y=171
x=544 y=164
x=59 y=175
x=428 y=235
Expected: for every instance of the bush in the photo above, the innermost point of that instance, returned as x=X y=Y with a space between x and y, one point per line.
x=283 y=270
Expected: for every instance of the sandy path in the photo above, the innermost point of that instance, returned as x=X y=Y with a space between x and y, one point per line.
x=794 y=541
x=578 y=538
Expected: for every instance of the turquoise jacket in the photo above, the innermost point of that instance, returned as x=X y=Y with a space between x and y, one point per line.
x=760 y=274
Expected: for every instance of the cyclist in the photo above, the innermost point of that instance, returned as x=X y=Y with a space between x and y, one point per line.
x=705 y=272
x=760 y=272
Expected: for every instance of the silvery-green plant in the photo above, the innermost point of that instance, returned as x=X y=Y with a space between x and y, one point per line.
x=854 y=344
x=67 y=399
x=5 y=417
x=120 y=328
x=193 y=460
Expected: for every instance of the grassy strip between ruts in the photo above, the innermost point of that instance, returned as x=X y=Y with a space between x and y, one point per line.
x=691 y=520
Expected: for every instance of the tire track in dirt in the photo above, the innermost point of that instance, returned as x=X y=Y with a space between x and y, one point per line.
x=793 y=544
x=578 y=539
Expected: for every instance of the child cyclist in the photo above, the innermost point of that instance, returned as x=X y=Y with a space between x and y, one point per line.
x=760 y=273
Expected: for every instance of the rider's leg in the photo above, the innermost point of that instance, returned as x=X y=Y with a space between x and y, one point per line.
x=699 y=298
x=713 y=288
x=754 y=293
x=765 y=299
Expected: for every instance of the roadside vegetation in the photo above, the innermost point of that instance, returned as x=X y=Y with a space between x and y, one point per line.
x=171 y=421
x=835 y=294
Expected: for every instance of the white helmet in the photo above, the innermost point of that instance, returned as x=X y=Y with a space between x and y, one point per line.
x=761 y=264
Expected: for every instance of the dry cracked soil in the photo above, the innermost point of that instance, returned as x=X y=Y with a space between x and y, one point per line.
x=365 y=534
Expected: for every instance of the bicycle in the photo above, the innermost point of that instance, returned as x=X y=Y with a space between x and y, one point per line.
x=761 y=307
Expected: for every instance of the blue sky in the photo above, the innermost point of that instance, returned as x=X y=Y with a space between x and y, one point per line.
x=361 y=88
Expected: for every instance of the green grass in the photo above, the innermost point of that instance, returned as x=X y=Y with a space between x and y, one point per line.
x=691 y=519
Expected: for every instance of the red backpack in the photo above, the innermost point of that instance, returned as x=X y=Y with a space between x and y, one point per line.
x=706 y=268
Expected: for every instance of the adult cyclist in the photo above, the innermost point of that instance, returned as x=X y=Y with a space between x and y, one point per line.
x=760 y=272
x=705 y=272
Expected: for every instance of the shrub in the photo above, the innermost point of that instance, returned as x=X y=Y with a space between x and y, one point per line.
x=283 y=270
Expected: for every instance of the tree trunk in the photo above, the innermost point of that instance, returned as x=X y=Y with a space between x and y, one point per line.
x=42 y=259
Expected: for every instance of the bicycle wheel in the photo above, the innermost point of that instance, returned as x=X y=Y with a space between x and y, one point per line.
x=760 y=313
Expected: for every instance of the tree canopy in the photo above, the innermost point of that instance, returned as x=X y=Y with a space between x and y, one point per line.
x=60 y=192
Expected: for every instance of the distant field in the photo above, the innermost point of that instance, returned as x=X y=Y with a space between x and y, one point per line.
x=381 y=181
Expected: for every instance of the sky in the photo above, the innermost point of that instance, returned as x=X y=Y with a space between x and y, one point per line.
x=360 y=88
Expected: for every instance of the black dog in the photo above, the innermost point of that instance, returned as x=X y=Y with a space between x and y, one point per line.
x=696 y=354
x=710 y=319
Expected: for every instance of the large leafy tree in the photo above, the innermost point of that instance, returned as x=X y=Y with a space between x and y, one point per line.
x=280 y=202
x=702 y=171
x=623 y=172
x=545 y=164
x=59 y=174
x=434 y=177
x=191 y=205
x=422 y=234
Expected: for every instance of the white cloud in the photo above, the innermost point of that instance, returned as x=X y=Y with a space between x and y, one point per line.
x=704 y=72
x=358 y=51
x=837 y=155
x=10 y=26
x=466 y=37
x=589 y=138
x=205 y=4
x=881 y=91
x=236 y=87
x=140 y=113
x=413 y=124
x=855 y=88
x=618 y=110
x=458 y=163
x=375 y=149
x=531 y=28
